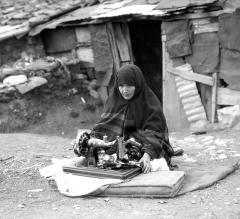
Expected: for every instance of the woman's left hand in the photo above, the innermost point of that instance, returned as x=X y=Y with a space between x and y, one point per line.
x=147 y=167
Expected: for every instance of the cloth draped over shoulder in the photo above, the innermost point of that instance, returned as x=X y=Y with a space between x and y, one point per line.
x=140 y=117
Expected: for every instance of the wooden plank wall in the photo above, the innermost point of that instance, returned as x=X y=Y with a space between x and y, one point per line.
x=172 y=106
x=173 y=109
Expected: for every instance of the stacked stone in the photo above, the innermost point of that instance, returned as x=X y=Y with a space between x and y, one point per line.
x=52 y=70
x=7 y=93
x=57 y=76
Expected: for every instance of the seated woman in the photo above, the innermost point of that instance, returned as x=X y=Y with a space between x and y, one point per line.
x=133 y=110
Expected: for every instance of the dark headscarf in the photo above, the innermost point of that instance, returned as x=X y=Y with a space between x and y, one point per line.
x=142 y=114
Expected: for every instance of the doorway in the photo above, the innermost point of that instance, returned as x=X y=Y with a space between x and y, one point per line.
x=147 y=51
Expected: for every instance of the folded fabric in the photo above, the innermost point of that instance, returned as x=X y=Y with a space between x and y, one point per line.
x=73 y=185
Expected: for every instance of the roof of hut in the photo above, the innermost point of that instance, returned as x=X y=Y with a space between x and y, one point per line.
x=19 y=17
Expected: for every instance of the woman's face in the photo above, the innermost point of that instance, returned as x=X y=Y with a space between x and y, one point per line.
x=127 y=91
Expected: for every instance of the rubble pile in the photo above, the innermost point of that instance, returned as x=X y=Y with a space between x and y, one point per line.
x=28 y=87
x=47 y=75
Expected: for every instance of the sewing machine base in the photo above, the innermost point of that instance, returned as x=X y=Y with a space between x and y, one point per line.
x=103 y=173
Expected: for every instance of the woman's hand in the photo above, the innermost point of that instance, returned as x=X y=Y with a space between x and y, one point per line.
x=147 y=167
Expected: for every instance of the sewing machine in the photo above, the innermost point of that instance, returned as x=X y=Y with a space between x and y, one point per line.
x=127 y=152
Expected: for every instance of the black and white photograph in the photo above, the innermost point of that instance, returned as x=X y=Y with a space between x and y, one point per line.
x=113 y=109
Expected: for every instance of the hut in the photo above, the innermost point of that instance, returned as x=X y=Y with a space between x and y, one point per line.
x=188 y=50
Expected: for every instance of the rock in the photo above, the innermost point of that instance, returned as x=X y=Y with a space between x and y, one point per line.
x=15 y=80
x=22 y=15
x=229 y=116
x=235 y=201
x=221 y=157
x=31 y=84
x=199 y=126
x=74 y=114
x=162 y=202
x=80 y=77
x=94 y=94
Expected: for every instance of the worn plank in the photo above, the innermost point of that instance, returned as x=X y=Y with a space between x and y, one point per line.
x=126 y=33
x=122 y=44
x=214 y=97
x=204 y=28
x=172 y=106
x=191 y=76
x=112 y=40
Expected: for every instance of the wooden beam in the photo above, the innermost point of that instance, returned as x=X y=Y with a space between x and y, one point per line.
x=122 y=44
x=206 y=28
x=113 y=44
x=172 y=106
x=227 y=96
x=191 y=76
x=198 y=15
x=214 y=97
x=125 y=29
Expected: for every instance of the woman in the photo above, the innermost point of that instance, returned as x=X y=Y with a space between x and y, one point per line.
x=132 y=109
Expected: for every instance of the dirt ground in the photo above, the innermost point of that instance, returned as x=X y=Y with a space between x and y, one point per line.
x=25 y=194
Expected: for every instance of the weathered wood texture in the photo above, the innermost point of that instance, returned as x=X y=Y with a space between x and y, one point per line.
x=172 y=106
x=191 y=76
x=214 y=97
x=113 y=44
x=204 y=25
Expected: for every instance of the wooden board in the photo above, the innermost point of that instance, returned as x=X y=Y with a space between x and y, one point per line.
x=121 y=44
x=172 y=106
x=192 y=76
x=103 y=173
